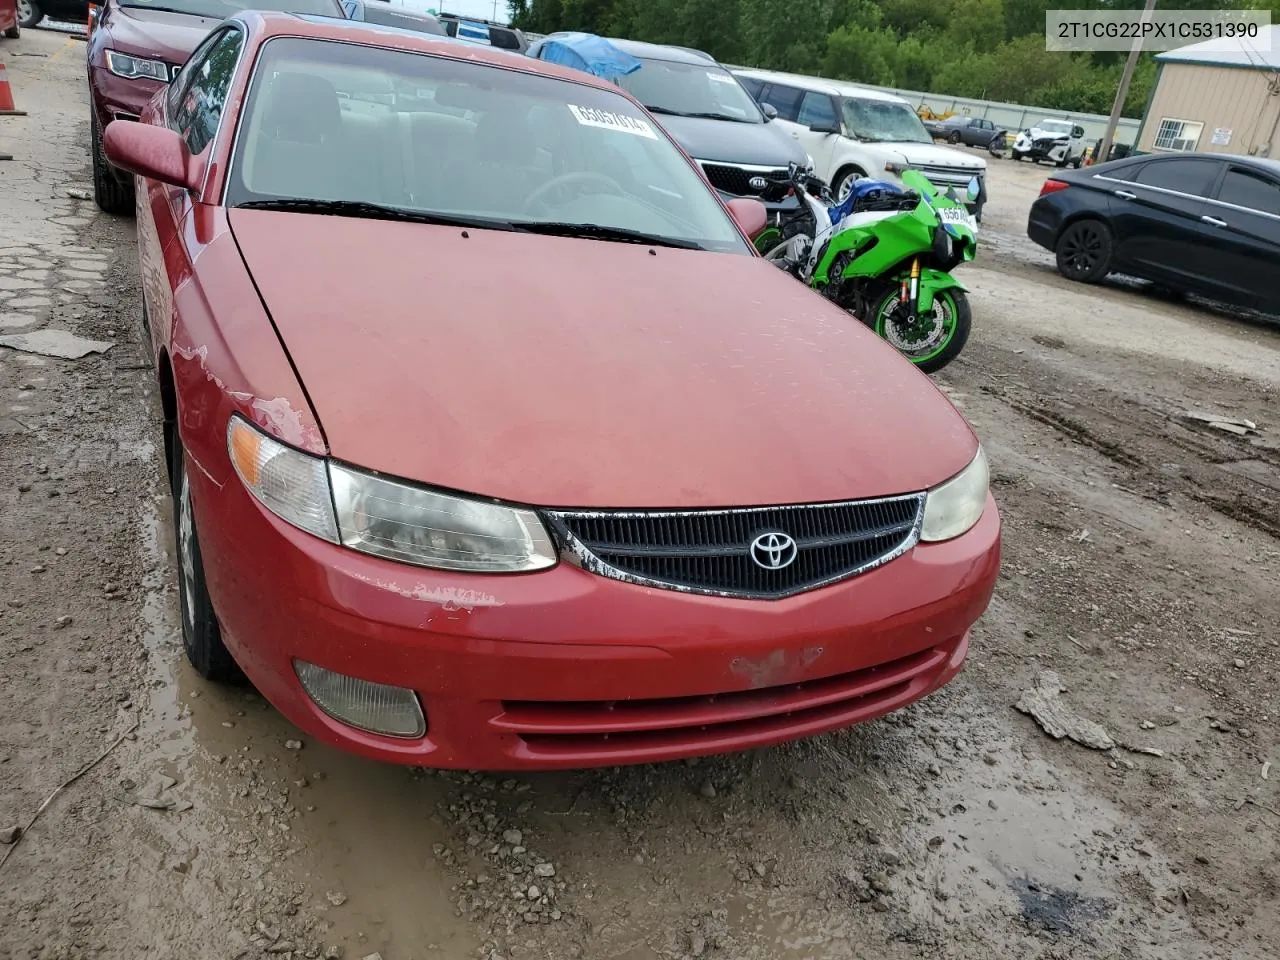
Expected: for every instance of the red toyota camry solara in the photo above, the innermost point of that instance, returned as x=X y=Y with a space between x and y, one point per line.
x=493 y=443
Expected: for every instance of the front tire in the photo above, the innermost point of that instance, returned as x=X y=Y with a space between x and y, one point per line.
x=109 y=193
x=1016 y=155
x=843 y=180
x=29 y=15
x=201 y=635
x=954 y=138
x=929 y=347
x=1084 y=251
x=14 y=32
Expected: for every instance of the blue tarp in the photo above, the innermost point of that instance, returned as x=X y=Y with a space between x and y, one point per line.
x=589 y=53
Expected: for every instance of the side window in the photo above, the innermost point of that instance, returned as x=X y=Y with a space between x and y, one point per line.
x=1193 y=177
x=1250 y=190
x=786 y=100
x=816 y=109
x=200 y=103
x=752 y=86
x=180 y=82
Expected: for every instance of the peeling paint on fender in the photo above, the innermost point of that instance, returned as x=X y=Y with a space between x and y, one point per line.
x=449 y=598
x=281 y=419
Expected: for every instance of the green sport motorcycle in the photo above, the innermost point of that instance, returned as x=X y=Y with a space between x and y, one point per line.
x=885 y=254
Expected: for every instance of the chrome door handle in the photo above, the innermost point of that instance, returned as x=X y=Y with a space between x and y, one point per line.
x=1213 y=221
x=1125 y=195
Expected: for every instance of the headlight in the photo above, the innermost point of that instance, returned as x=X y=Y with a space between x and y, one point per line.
x=952 y=508
x=432 y=529
x=291 y=484
x=894 y=167
x=131 y=68
x=383 y=517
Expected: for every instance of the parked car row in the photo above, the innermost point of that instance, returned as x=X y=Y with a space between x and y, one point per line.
x=648 y=497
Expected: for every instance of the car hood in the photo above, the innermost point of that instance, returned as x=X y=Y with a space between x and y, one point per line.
x=932 y=154
x=1036 y=133
x=170 y=37
x=577 y=373
x=724 y=141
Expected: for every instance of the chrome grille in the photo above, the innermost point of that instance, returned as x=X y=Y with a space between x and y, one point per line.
x=710 y=551
x=735 y=179
x=954 y=176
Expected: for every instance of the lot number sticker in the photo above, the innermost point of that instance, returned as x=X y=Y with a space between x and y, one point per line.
x=591 y=117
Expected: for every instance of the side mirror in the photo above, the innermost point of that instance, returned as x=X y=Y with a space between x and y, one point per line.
x=154 y=152
x=749 y=214
x=769 y=110
x=973 y=190
x=824 y=128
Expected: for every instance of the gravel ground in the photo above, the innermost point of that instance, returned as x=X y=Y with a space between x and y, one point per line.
x=1142 y=557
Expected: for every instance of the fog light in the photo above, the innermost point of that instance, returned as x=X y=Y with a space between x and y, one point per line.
x=374 y=707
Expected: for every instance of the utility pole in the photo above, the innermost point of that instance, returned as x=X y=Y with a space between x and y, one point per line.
x=1122 y=93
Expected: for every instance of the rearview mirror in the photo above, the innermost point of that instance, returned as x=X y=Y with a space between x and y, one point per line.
x=157 y=153
x=749 y=214
x=769 y=110
x=824 y=128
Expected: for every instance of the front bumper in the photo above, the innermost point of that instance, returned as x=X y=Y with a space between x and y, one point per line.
x=1039 y=151
x=115 y=98
x=567 y=669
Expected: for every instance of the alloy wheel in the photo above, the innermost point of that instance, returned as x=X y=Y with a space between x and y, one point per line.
x=25 y=11
x=1082 y=249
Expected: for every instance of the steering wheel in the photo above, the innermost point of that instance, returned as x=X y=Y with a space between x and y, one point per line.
x=559 y=185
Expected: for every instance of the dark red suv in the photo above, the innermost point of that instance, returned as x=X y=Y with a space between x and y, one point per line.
x=135 y=49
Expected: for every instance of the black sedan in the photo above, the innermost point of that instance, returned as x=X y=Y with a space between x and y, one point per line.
x=1198 y=223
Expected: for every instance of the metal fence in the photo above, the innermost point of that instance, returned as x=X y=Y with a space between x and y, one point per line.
x=1014 y=116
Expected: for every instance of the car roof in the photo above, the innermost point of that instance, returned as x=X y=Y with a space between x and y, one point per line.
x=268 y=24
x=660 y=51
x=820 y=85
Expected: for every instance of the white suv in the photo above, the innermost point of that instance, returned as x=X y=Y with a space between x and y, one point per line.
x=852 y=131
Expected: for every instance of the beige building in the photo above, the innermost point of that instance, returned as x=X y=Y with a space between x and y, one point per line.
x=1219 y=96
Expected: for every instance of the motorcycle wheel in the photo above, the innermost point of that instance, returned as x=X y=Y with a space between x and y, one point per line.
x=931 y=342
x=768 y=239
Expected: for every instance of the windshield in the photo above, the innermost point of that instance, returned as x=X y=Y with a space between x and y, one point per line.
x=698 y=89
x=1055 y=126
x=884 y=120
x=221 y=9
x=335 y=121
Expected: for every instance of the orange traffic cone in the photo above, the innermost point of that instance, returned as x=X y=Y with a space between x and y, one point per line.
x=7 y=107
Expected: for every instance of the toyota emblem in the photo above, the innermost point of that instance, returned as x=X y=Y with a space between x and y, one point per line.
x=773 y=551
x=757 y=183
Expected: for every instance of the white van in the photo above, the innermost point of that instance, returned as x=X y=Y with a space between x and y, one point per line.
x=852 y=131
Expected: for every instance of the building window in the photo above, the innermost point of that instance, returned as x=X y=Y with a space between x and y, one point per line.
x=1178 y=134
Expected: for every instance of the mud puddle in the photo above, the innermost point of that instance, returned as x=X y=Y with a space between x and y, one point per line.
x=357 y=835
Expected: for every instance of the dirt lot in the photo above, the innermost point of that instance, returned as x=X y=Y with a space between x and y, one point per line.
x=1142 y=563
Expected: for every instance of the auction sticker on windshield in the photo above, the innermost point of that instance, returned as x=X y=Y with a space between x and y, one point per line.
x=592 y=117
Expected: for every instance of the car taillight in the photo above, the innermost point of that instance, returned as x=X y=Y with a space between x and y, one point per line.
x=1053 y=186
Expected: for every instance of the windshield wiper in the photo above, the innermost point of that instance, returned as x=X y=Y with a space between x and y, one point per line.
x=668 y=112
x=718 y=116
x=375 y=211
x=596 y=231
